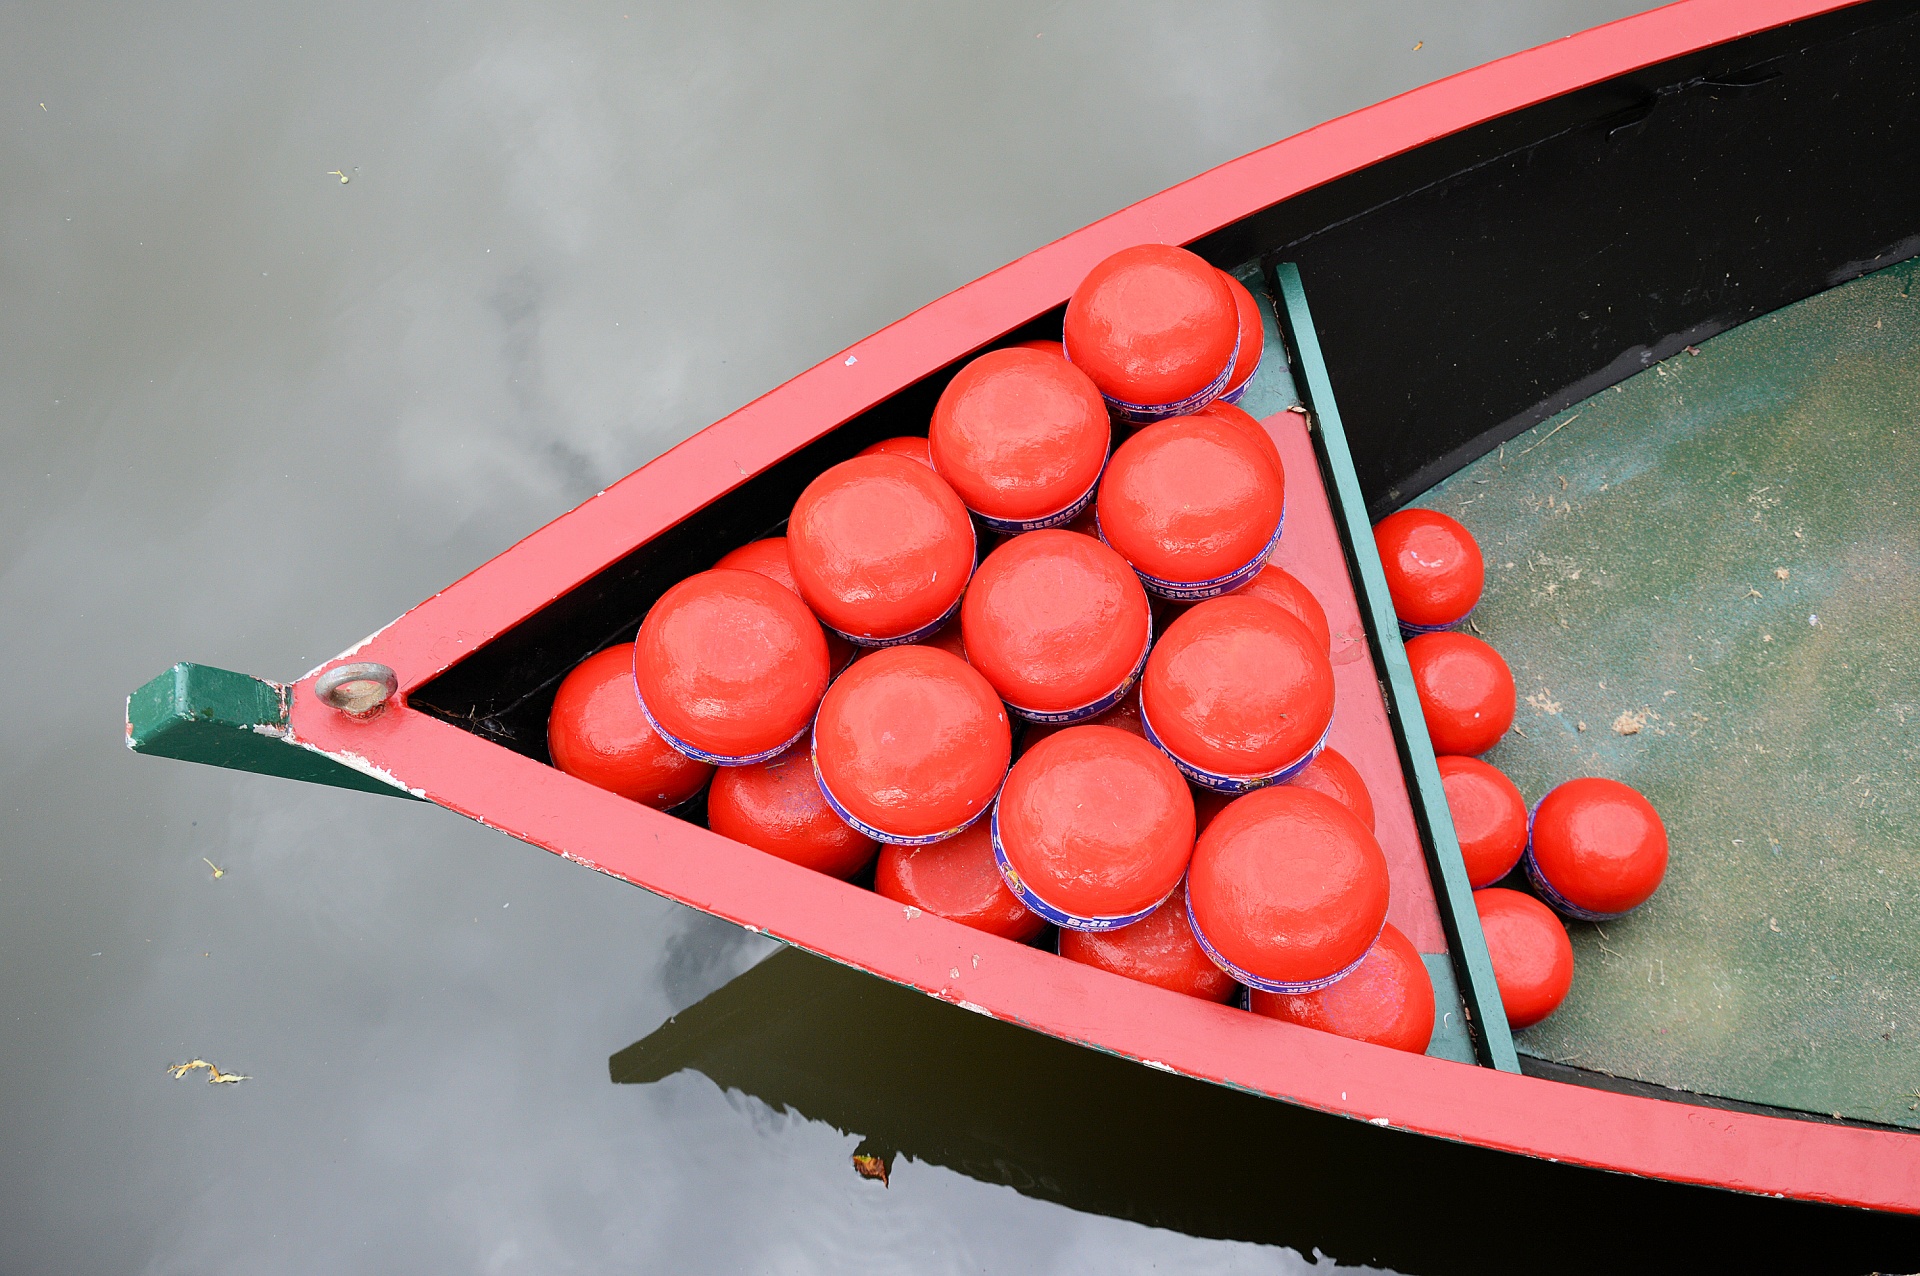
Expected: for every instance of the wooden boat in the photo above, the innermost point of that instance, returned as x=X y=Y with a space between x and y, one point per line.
x=1446 y=271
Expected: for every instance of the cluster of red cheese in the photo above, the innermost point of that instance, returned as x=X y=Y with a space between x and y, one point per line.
x=1593 y=848
x=856 y=687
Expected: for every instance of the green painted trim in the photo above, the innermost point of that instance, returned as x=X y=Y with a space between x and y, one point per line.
x=1493 y=1041
x=198 y=713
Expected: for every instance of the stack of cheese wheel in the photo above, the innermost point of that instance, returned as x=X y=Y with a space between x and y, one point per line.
x=1022 y=437
x=1157 y=329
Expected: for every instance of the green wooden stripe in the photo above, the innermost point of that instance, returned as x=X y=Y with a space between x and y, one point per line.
x=1493 y=1041
x=198 y=713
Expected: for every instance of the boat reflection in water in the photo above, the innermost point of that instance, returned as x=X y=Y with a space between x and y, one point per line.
x=919 y=1078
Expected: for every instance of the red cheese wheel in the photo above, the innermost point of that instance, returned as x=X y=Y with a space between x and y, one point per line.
x=1283 y=588
x=881 y=548
x=730 y=666
x=1042 y=344
x=1193 y=504
x=1288 y=889
x=769 y=558
x=777 y=807
x=1022 y=437
x=1237 y=691
x=1466 y=691
x=1158 y=949
x=1057 y=622
x=911 y=743
x=1599 y=849
x=1387 y=1001
x=1489 y=818
x=1253 y=337
x=1532 y=956
x=1433 y=566
x=957 y=879
x=1330 y=773
x=1238 y=417
x=597 y=733
x=1094 y=828
x=1153 y=325
x=909 y=445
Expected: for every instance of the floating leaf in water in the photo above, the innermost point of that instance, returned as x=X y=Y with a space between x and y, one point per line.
x=214 y=1075
x=218 y=872
x=871 y=1167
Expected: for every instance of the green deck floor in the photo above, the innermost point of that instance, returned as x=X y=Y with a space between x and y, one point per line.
x=1707 y=582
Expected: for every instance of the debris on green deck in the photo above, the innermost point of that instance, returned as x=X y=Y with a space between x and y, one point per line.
x=1707 y=583
x=198 y=713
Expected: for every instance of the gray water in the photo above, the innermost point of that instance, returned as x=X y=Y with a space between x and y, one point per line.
x=251 y=412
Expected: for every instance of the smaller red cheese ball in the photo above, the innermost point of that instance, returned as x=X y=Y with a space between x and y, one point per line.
x=911 y=745
x=1253 y=339
x=1433 y=567
x=1053 y=348
x=911 y=445
x=1599 y=849
x=1283 y=588
x=769 y=558
x=1238 y=693
x=730 y=666
x=597 y=733
x=1156 y=328
x=1489 y=818
x=1058 y=623
x=1093 y=828
x=1194 y=505
x=1158 y=949
x=881 y=549
x=1531 y=954
x=1330 y=773
x=1022 y=437
x=1466 y=692
x=1387 y=1001
x=957 y=879
x=776 y=807
x=1242 y=420
x=1288 y=890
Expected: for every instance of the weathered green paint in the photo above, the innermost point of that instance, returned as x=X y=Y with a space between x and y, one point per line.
x=1729 y=545
x=1493 y=1042
x=198 y=713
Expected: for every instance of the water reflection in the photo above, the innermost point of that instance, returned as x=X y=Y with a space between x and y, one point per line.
x=912 y=1077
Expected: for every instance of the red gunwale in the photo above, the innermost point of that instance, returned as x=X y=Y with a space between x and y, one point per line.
x=461 y=771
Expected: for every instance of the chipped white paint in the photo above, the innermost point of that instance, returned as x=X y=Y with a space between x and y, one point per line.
x=1155 y=1063
x=978 y=1010
x=911 y=912
x=1381 y=1121
x=366 y=768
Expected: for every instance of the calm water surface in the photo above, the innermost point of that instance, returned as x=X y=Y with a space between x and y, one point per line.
x=252 y=411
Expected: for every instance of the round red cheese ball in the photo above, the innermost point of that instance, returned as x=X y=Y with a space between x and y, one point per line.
x=957 y=879
x=1021 y=436
x=1433 y=566
x=1489 y=818
x=1152 y=325
x=911 y=743
x=1057 y=622
x=1284 y=590
x=1158 y=949
x=1237 y=690
x=911 y=446
x=1253 y=337
x=1238 y=417
x=1288 y=888
x=1191 y=503
x=1330 y=773
x=1532 y=956
x=730 y=666
x=597 y=733
x=881 y=548
x=1095 y=827
x=769 y=558
x=1041 y=344
x=1466 y=692
x=1387 y=1001
x=1599 y=849
x=777 y=807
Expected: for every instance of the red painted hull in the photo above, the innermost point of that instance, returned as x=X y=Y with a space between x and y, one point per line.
x=464 y=772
